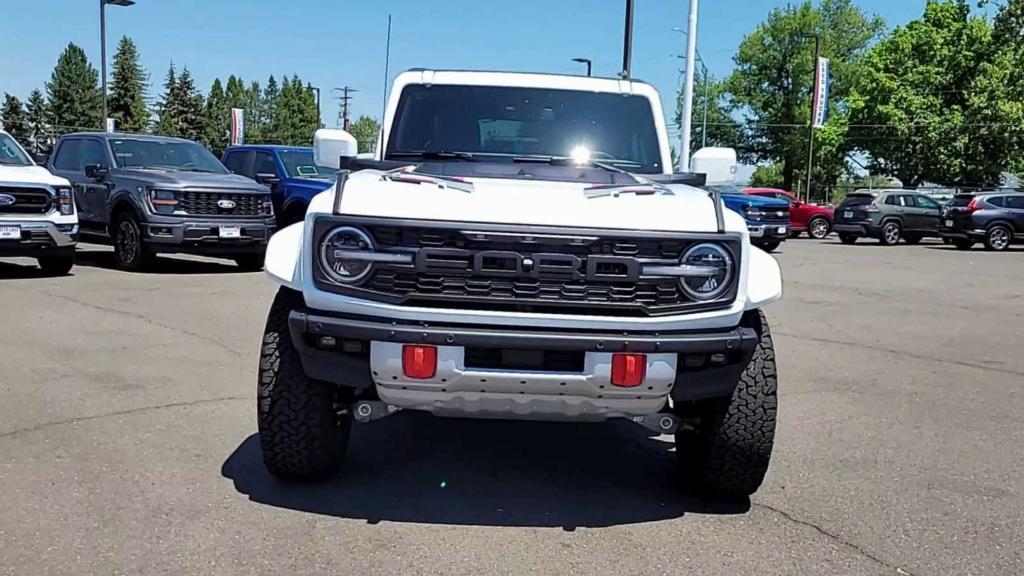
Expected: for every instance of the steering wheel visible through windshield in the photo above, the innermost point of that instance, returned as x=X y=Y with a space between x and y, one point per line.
x=174 y=155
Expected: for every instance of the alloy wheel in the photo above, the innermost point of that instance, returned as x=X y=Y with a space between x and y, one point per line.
x=127 y=241
x=999 y=238
x=819 y=229
x=892 y=234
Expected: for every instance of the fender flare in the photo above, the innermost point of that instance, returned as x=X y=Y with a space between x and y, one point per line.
x=291 y=203
x=764 y=280
x=283 y=262
x=999 y=222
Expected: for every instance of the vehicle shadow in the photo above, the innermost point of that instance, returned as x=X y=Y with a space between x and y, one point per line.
x=16 y=271
x=416 y=468
x=162 y=264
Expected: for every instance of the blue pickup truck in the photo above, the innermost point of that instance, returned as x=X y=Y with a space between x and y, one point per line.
x=768 y=219
x=290 y=173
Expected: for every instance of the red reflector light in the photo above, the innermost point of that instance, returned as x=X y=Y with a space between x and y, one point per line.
x=419 y=362
x=628 y=370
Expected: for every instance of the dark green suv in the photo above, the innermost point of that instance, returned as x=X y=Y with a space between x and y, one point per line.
x=888 y=216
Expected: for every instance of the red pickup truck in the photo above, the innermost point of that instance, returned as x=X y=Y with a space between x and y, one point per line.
x=811 y=218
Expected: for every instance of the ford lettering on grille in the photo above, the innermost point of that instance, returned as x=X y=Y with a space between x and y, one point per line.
x=543 y=266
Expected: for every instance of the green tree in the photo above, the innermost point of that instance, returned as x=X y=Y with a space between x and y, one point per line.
x=366 y=131
x=217 y=119
x=773 y=78
x=295 y=114
x=14 y=120
x=128 y=89
x=269 y=106
x=40 y=129
x=190 y=117
x=997 y=101
x=722 y=127
x=767 y=176
x=918 y=100
x=75 y=99
x=167 y=123
x=255 y=113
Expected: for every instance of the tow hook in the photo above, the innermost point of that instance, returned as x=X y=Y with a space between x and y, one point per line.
x=662 y=422
x=369 y=410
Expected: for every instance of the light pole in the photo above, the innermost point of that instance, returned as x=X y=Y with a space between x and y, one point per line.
x=319 y=117
x=691 y=57
x=810 y=122
x=103 y=49
x=704 y=71
x=588 y=62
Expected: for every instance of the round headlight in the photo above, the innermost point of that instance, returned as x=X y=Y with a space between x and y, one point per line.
x=716 y=261
x=336 y=255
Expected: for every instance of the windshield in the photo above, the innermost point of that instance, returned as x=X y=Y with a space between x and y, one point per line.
x=300 y=164
x=502 y=123
x=165 y=155
x=11 y=154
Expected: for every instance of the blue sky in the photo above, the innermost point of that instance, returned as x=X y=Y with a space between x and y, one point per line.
x=334 y=43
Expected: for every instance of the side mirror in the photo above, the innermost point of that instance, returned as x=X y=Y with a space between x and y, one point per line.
x=267 y=179
x=331 y=145
x=96 y=172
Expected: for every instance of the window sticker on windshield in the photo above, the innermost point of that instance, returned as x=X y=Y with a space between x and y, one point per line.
x=306 y=170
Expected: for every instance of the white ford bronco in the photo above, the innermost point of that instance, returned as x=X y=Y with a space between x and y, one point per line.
x=519 y=248
x=37 y=211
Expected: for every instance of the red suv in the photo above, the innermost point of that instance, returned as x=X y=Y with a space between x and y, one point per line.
x=811 y=218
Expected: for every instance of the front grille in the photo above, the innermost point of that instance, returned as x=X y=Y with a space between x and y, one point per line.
x=772 y=216
x=206 y=203
x=26 y=200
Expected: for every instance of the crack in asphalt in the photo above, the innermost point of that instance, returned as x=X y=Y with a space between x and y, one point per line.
x=961 y=363
x=77 y=419
x=834 y=537
x=148 y=320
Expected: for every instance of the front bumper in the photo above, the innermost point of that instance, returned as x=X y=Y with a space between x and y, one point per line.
x=366 y=353
x=206 y=236
x=769 y=231
x=38 y=238
x=865 y=229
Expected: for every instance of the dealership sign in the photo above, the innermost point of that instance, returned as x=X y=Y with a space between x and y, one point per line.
x=237 y=126
x=822 y=86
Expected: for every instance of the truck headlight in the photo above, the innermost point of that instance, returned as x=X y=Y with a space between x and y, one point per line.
x=754 y=213
x=717 y=267
x=336 y=252
x=163 y=201
x=65 y=200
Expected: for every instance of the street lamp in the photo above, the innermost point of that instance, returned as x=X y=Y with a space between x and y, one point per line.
x=316 y=90
x=588 y=62
x=691 y=57
x=103 y=49
x=704 y=71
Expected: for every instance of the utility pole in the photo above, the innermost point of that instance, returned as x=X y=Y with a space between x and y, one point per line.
x=627 y=48
x=810 y=123
x=691 y=60
x=103 y=50
x=345 y=99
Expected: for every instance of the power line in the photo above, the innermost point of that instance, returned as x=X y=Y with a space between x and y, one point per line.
x=345 y=99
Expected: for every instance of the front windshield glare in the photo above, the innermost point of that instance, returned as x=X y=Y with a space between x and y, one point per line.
x=496 y=123
x=165 y=155
x=11 y=154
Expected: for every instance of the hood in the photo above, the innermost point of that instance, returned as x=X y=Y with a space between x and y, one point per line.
x=747 y=200
x=30 y=175
x=527 y=202
x=191 y=179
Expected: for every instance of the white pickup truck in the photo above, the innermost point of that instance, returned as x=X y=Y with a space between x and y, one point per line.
x=37 y=211
x=519 y=248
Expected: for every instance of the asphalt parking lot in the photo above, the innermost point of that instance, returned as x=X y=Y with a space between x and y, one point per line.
x=127 y=441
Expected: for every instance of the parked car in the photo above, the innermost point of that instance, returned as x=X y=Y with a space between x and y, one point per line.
x=494 y=267
x=290 y=173
x=150 y=194
x=996 y=219
x=887 y=215
x=37 y=211
x=815 y=220
x=768 y=219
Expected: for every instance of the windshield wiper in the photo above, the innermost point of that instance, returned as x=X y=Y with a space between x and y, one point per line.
x=432 y=155
x=566 y=161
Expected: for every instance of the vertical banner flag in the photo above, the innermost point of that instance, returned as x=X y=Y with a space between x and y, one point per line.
x=237 y=127
x=822 y=85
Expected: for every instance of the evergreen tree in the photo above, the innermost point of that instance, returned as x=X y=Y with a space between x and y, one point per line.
x=74 y=96
x=269 y=106
x=128 y=89
x=190 y=105
x=167 y=124
x=40 y=129
x=217 y=119
x=295 y=114
x=14 y=120
x=254 y=115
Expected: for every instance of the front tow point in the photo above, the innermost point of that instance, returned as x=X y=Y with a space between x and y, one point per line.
x=367 y=411
x=661 y=423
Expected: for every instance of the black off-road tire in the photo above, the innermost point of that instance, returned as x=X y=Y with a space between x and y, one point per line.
x=57 y=265
x=130 y=252
x=769 y=245
x=729 y=452
x=250 y=262
x=847 y=238
x=301 y=434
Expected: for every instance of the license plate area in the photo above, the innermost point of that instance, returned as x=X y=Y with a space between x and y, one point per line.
x=847 y=213
x=229 y=232
x=10 y=232
x=948 y=223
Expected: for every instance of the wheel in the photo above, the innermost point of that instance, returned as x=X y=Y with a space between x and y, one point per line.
x=769 y=245
x=250 y=262
x=962 y=243
x=302 y=436
x=998 y=238
x=129 y=251
x=57 y=265
x=912 y=240
x=891 y=233
x=728 y=453
x=294 y=213
x=818 y=228
x=847 y=238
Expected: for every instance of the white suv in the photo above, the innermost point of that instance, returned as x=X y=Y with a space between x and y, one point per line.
x=520 y=249
x=37 y=211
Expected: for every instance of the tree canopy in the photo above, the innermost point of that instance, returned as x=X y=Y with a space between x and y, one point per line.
x=73 y=92
x=127 y=101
